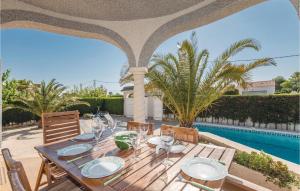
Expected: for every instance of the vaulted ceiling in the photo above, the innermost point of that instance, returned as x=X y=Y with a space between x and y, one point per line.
x=138 y=27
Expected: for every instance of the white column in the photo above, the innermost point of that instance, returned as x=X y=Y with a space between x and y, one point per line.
x=139 y=93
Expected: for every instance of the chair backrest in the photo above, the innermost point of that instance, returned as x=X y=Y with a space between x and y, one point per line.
x=59 y=126
x=8 y=160
x=16 y=172
x=133 y=125
x=183 y=133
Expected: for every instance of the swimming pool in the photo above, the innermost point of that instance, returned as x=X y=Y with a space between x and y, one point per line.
x=278 y=144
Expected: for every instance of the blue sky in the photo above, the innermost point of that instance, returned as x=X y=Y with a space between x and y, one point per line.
x=38 y=55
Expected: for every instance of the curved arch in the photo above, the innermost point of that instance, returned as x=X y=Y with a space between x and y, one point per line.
x=197 y=18
x=26 y=19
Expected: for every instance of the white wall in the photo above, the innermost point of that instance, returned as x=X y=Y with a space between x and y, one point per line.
x=153 y=107
x=128 y=107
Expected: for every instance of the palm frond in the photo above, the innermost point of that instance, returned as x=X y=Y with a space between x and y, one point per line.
x=46 y=97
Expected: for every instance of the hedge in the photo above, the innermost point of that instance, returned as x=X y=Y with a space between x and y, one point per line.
x=95 y=103
x=113 y=105
x=17 y=116
x=276 y=109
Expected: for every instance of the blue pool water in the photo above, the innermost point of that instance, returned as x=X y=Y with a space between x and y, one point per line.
x=286 y=147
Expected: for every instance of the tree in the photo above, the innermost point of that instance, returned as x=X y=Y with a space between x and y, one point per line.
x=279 y=80
x=43 y=98
x=89 y=92
x=292 y=84
x=12 y=88
x=189 y=83
x=295 y=82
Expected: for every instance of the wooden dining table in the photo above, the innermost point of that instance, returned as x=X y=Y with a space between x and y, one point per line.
x=147 y=173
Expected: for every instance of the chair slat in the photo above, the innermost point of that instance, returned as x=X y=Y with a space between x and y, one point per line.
x=58 y=121
x=63 y=129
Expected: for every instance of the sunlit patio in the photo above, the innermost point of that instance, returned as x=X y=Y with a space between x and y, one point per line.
x=22 y=142
x=68 y=150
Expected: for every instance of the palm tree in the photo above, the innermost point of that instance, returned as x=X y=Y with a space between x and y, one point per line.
x=189 y=83
x=43 y=98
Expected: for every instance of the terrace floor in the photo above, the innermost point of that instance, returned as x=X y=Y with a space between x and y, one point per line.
x=21 y=143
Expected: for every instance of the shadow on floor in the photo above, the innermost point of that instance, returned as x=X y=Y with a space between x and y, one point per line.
x=22 y=133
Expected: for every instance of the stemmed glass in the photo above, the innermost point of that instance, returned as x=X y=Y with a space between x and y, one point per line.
x=144 y=131
x=135 y=142
x=167 y=138
x=111 y=126
x=97 y=127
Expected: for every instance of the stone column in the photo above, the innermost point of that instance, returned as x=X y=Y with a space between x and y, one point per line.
x=139 y=93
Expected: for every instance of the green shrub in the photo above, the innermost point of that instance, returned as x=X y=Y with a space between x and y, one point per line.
x=261 y=109
x=17 y=116
x=275 y=171
x=113 y=105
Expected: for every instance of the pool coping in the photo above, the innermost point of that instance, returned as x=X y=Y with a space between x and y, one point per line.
x=269 y=131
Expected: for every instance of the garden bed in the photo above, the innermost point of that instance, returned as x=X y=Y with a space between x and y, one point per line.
x=255 y=177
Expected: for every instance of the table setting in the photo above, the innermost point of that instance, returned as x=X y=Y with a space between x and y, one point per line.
x=111 y=159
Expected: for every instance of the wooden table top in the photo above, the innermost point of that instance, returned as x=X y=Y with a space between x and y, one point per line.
x=146 y=174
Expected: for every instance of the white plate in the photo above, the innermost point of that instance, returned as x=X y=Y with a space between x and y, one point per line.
x=155 y=140
x=204 y=169
x=74 y=150
x=85 y=137
x=102 y=167
x=177 y=148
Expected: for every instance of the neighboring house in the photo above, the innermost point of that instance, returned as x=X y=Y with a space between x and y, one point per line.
x=153 y=105
x=258 y=88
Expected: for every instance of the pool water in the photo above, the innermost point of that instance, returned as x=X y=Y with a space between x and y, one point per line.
x=277 y=144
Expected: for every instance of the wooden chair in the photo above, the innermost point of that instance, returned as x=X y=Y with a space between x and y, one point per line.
x=19 y=181
x=133 y=125
x=183 y=133
x=57 y=126
x=11 y=164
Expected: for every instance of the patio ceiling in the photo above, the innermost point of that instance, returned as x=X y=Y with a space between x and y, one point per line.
x=138 y=27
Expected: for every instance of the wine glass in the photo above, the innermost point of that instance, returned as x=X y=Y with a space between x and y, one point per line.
x=167 y=138
x=97 y=126
x=111 y=123
x=144 y=131
x=135 y=142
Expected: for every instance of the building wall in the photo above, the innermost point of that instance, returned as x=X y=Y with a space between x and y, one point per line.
x=153 y=107
x=258 y=88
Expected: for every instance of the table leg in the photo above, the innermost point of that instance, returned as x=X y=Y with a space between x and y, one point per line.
x=39 y=178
